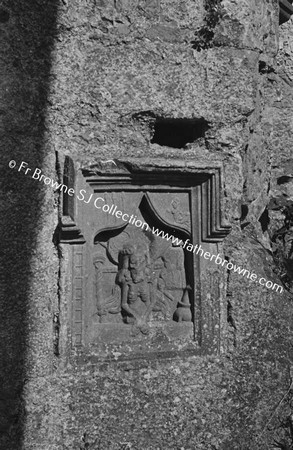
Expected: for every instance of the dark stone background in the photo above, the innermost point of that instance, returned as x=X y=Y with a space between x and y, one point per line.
x=79 y=77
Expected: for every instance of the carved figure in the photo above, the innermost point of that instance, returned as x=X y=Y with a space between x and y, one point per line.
x=183 y=312
x=149 y=284
x=170 y=280
x=134 y=278
x=179 y=217
x=173 y=271
x=105 y=304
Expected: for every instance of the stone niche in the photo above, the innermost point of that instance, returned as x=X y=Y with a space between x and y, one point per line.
x=130 y=291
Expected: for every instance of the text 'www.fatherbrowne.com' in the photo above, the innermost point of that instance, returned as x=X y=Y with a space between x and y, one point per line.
x=197 y=249
x=100 y=203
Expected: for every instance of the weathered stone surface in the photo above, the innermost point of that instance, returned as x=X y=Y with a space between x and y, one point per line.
x=93 y=80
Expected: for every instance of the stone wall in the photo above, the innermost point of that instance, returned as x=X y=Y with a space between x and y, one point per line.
x=90 y=80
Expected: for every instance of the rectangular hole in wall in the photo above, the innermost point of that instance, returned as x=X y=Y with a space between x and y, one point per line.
x=177 y=133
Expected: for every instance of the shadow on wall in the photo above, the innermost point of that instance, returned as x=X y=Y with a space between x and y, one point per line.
x=27 y=29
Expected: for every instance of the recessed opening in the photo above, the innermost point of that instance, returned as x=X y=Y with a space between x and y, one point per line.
x=68 y=180
x=284 y=179
x=244 y=212
x=264 y=68
x=177 y=133
x=264 y=220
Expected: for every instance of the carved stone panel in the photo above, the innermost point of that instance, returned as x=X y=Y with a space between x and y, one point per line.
x=139 y=278
x=136 y=274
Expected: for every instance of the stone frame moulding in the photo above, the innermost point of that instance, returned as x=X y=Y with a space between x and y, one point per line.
x=82 y=228
x=285 y=11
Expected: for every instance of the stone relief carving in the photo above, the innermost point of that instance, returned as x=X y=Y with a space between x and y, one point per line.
x=179 y=216
x=125 y=279
x=108 y=307
x=140 y=278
